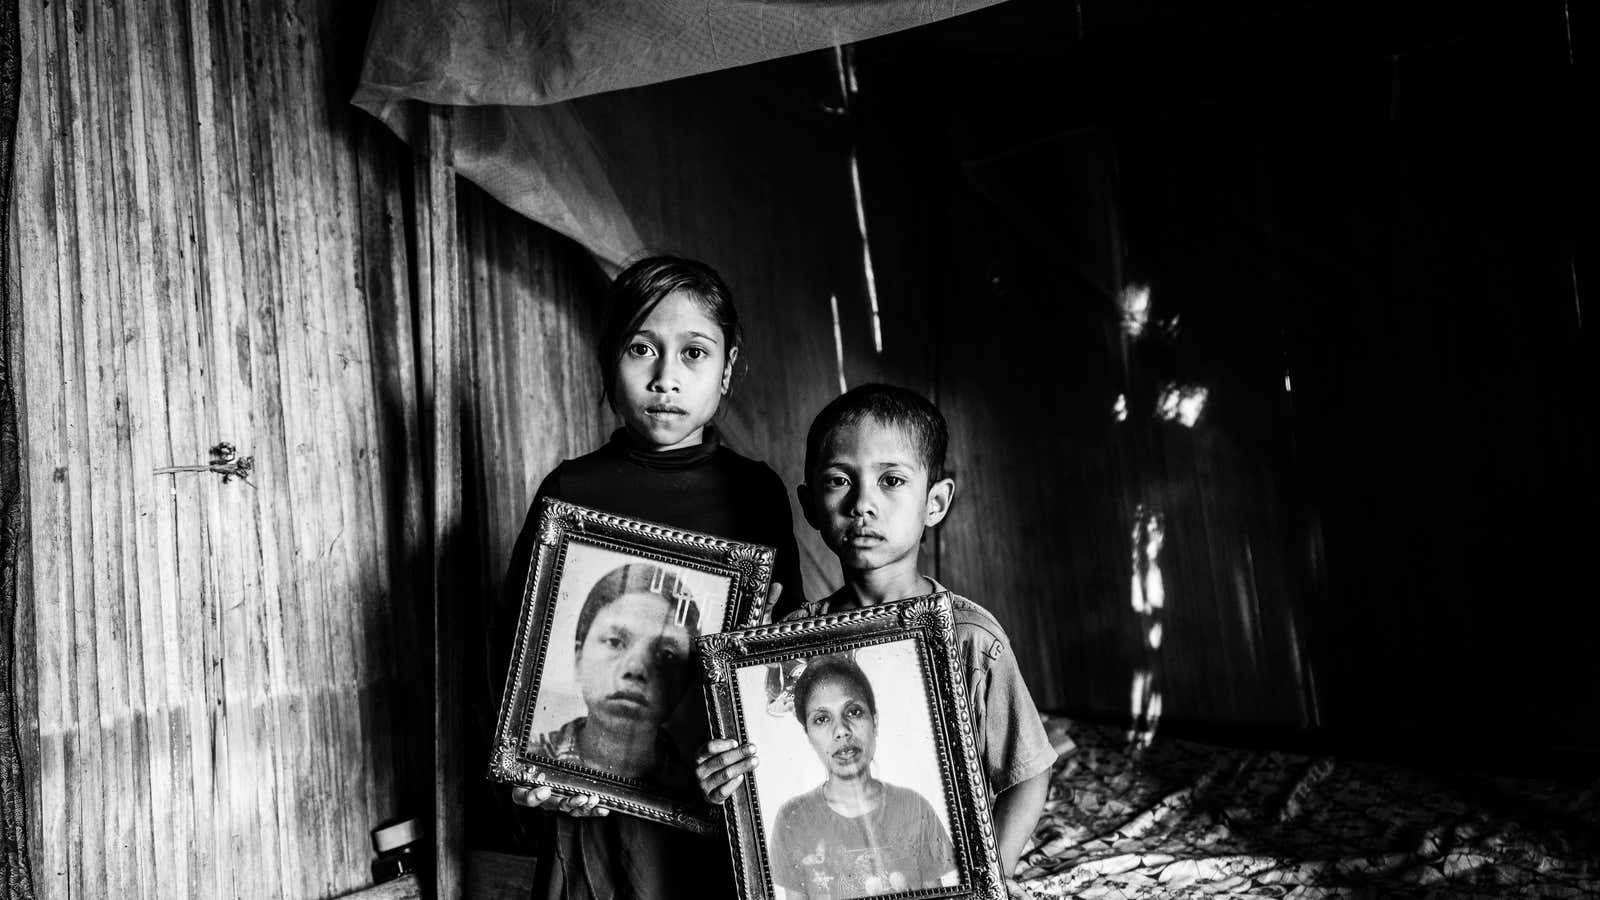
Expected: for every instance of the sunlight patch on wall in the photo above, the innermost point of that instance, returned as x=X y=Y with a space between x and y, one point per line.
x=1182 y=404
x=838 y=341
x=1135 y=308
x=1149 y=597
x=1149 y=589
x=866 y=255
x=845 y=67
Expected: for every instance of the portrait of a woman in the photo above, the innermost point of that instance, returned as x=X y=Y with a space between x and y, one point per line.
x=632 y=644
x=854 y=835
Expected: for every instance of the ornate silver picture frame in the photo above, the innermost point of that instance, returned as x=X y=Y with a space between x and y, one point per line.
x=869 y=784
x=600 y=697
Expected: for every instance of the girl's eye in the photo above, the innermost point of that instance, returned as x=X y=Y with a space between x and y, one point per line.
x=612 y=641
x=819 y=720
x=696 y=353
x=639 y=349
x=855 y=712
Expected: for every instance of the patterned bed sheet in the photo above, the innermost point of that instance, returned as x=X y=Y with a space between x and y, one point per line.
x=1184 y=819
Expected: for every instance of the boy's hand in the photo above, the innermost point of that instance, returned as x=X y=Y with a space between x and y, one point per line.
x=721 y=767
x=542 y=797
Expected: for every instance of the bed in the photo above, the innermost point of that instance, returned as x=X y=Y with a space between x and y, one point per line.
x=1179 y=818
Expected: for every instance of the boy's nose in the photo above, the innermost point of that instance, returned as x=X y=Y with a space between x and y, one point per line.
x=862 y=505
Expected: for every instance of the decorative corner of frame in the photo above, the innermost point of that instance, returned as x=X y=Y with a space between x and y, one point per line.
x=754 y=564
x=716 y=655
x=925 y=612
x=556 y=514
x=507 y=765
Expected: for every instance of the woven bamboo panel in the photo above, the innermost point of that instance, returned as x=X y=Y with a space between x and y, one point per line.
x=212 y=248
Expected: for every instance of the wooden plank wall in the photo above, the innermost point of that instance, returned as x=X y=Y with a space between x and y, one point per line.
x=212 y=248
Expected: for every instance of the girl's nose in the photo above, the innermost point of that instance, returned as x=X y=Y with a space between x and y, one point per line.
x=664 y=377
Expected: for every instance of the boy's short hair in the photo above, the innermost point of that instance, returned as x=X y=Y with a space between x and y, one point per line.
x=889 y=405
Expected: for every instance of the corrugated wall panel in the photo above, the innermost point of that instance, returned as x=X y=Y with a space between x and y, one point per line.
x=211 y=248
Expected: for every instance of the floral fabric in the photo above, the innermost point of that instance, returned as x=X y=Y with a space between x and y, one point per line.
x=1182 y=819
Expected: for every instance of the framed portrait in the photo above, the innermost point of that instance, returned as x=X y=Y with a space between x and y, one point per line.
x=600 y=697
x=869 y=784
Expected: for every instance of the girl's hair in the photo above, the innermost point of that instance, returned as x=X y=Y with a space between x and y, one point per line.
x=640 y=578
x=644 y=284
x=831 y=668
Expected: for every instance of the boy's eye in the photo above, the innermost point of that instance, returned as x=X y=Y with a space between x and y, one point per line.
x=894 y=481
x=835 y=481
x=855 y=712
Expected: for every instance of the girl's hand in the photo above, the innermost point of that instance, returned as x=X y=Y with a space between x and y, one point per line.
x=773 y=590
x=542 y=797
x=721 y=767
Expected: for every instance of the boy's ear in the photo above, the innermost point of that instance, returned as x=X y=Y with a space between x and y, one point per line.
x=727 y=370
x=940 y=495
x=802 y=492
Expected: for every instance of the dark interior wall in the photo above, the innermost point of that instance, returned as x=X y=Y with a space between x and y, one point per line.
x=1360 y=229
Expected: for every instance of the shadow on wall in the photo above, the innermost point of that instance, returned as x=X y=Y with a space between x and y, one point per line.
x=1352 y=391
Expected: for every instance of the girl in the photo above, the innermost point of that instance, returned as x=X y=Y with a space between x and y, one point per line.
x=667 y=352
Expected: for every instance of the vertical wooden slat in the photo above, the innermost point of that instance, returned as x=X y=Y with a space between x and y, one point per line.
x=17 y=738
x=437 y=304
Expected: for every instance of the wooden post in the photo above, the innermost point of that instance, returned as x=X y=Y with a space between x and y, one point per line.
x=438 y=323
x=16 y=879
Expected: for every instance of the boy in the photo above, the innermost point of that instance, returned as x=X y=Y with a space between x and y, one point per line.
x=874 y=482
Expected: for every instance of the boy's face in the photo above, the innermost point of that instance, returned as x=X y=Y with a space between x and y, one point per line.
x=870 y=498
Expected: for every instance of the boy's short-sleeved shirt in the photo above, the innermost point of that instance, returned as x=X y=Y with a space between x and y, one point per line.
x=900 y=846
x=1011 y=741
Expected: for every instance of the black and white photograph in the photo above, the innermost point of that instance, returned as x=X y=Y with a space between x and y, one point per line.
x=602 y=696
x=863 y=789
x=624 y=627
x=837 y=824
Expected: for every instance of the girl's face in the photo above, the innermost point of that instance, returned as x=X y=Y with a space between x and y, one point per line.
x=673 y=372
x=842 y=729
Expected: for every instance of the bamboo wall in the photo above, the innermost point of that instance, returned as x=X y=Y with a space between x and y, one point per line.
x=211 y=247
